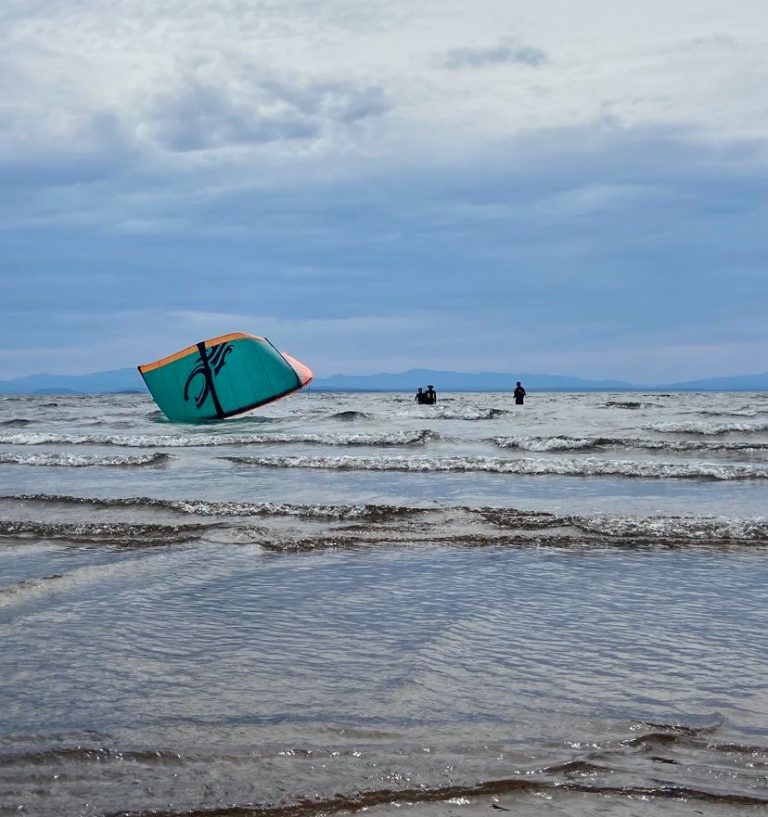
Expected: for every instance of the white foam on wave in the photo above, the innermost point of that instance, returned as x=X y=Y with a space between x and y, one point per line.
x=393 y=438
x=585 y=466
x=81 y=460
x=664 y=528
x=206 y=507
x=392 y=521
x=211 y=508
x=563 y=443
x=549 y=443
x=708 y=428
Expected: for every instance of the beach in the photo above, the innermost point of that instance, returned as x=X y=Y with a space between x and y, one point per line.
x=348 y=601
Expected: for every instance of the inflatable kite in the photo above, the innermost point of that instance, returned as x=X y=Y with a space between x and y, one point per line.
x=222 y=377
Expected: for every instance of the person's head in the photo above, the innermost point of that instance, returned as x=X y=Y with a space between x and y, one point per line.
x=430 y=386
x=419 y=390
x=518 y=382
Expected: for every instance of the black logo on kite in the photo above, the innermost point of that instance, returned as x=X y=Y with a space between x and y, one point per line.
x=209 y=364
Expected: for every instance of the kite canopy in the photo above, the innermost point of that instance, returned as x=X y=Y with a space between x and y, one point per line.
x=222 y=377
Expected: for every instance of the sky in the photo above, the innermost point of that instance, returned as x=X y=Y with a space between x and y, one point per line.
x=503 y=185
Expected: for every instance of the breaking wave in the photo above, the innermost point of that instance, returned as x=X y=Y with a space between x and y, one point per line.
x=559 y=443
x=16 y=422
x=83 y=461
x=118 y=533
x=587 y=466
x=677 y=528
x=565 y=443
x=471 y=525
x=708 y=428
x=394 y=438
x=204 y=507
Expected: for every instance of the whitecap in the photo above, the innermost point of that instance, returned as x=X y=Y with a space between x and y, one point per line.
x=586 y=466
x=81 y=461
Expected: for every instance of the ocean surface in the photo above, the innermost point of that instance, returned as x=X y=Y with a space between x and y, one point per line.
x=349 y=601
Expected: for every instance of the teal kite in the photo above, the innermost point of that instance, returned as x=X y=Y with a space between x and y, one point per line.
x=221 y=377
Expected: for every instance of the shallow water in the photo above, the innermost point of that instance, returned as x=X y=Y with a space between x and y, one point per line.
x=349 y=601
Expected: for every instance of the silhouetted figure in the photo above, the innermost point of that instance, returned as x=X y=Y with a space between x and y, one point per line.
x=431 y=395
x=519 y=393
x=420 y=398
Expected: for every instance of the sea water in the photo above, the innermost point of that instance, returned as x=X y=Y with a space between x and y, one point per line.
x=350 y=601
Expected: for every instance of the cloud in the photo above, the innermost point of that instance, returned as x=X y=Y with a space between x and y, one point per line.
x=237 y=109
x=502 y=54
x=89 y=148
x=256 y=86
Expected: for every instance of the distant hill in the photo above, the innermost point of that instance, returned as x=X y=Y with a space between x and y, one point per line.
x=116 y=380
x=129 y=380
x=742 y=382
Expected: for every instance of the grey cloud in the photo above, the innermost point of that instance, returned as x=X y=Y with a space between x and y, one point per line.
x=335 y=101
x=205 y=115
x=502 y=54
x=354 y=107
x=35 y=154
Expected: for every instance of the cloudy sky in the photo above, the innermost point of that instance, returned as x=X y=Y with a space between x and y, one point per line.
x=508 y=185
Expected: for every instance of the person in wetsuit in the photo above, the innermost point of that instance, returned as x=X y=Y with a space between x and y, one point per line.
x=420 y=398
x=519 y=393
x=431 y=395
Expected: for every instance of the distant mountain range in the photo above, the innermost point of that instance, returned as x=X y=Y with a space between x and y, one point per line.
x=129 y=380
x=116 y=380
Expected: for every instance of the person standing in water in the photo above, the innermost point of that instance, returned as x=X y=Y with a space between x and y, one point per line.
x=519 y=393
x=420 y=398
x=431 y=395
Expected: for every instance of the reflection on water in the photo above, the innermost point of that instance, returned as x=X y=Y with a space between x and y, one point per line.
x=214 y=670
